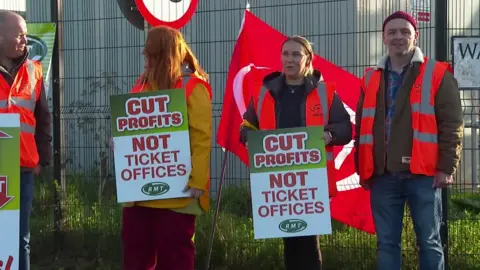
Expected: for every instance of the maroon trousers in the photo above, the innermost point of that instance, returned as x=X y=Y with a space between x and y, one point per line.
x=157 y=239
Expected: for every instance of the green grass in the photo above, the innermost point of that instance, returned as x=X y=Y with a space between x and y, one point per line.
x=90 y=234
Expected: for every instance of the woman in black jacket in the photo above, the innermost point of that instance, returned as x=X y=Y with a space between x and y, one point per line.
x=290 y=89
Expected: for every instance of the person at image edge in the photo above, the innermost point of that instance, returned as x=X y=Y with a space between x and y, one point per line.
x=408 y=140
x=159 y=234
x=289 y=92
x=22 y=91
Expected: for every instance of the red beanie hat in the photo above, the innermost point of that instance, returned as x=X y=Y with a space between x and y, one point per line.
x=400 y=15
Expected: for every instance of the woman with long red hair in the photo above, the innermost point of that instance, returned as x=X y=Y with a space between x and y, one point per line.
x=159 y=234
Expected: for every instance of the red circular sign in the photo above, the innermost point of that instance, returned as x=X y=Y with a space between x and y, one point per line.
x=173 y=13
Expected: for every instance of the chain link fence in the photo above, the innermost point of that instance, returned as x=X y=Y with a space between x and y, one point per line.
x=76 y=221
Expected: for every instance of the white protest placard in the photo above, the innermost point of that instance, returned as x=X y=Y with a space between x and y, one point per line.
x=289 y=185
x=151 y=145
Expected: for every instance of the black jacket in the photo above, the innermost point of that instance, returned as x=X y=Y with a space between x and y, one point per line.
x=339 y=120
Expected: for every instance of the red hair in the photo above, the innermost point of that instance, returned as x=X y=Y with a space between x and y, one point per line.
x=166 y=51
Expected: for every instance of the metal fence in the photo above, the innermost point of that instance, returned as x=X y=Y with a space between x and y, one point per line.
x=76 y=221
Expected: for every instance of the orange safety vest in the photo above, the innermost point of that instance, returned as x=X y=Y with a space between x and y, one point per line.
x=264 y=105
x=21 y=98
x=425 y=133
x=188 y=83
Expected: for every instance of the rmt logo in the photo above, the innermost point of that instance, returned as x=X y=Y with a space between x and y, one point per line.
x=292 y=225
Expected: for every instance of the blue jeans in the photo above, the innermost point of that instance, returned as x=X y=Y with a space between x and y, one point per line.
x=388 y=196
x=26 y=199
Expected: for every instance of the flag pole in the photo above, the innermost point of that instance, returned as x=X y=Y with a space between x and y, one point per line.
x=217 y=207
x=222 y=179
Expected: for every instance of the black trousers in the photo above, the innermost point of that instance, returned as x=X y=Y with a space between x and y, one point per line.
x=302 y=253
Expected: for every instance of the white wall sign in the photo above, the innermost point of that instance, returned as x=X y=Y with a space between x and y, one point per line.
x=466 y=61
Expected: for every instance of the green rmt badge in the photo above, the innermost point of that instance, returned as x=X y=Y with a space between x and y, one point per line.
x=292 y=225
x=155 y=188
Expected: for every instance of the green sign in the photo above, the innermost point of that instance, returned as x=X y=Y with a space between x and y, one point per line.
x=158 y=111
x=9 y=189
x=292 y=149
x=41 y=39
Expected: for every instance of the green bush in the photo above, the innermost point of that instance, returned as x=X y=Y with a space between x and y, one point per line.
x=237 y=201
x=89 y=236
x=465 y=203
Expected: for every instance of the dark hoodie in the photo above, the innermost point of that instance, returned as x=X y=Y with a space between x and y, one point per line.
x=43 y=135
x=339 y=120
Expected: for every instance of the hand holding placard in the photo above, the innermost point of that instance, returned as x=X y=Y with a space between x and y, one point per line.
x=289 y=183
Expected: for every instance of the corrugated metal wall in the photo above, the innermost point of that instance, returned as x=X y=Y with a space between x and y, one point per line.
x=15 y=5
x=99 y=42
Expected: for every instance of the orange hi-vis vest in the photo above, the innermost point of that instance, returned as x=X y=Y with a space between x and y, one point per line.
x=425 y=133
x=188 y=83
x=264 y=105
x=21 y=98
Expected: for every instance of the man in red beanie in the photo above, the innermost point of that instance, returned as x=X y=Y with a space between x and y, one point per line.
x=409 y=129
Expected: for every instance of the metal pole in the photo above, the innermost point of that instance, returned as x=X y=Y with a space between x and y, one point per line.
x=441 y=43
x=474 y=99
x=475 y=128
x=56 y=14
x=217 y=208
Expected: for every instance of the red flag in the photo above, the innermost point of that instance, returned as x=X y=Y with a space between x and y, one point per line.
x=257 y=53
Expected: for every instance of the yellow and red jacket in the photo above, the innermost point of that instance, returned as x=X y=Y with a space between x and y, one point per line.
x=425 y=149
x=21 y=97
x=198 y=95
x=264 y=105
